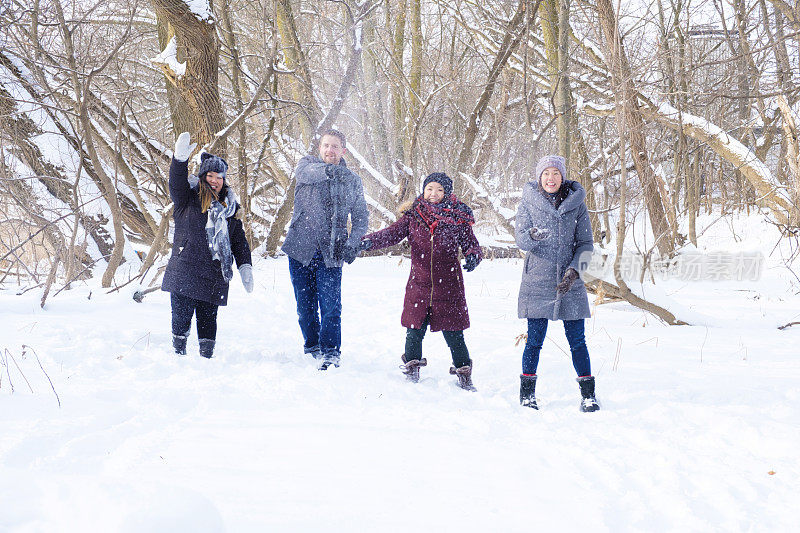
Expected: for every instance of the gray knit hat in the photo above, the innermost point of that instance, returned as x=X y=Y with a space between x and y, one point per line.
x=551 y=161
x=211 y=163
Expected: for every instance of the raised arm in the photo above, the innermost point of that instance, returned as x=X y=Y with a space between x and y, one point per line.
x=310 y=171
x=179 y=188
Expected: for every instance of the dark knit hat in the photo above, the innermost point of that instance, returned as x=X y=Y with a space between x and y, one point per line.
x=442 y=179
x=211 y=163
x=548 y=161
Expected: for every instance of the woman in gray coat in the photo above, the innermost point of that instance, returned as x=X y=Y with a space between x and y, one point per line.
x=553 y=228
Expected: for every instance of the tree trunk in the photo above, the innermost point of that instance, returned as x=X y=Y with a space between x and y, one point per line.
x=239 y=91
x=50 y=176
x=630 y=115
x=196 y=41
x=554 y=19
x=415 y=86
x=375 y=96
x=511 y=40
x=401 y=134
x=107 y=187
x=179 y=110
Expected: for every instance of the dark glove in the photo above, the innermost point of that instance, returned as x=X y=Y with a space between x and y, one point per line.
x=539 y=234
x=471 y=261
x=351 y=252
x=339 y=249
x=335 y=172
x=566 y=283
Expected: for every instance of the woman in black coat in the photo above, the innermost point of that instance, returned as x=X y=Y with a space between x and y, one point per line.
x=208 y=236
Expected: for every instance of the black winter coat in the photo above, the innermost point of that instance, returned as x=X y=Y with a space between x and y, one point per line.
x=191 y=271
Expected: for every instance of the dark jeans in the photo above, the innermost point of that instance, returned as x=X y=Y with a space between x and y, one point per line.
x=537 y=329
x=317 y=287
x=454 y=339
x=184 y=307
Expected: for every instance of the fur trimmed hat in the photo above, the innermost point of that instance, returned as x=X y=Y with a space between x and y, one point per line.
x=211 y=163
x=551 y=161
x=442 y=179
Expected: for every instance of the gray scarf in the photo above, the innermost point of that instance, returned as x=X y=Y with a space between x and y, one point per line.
x=336 y=209
x=219 y=242
x=338 y=218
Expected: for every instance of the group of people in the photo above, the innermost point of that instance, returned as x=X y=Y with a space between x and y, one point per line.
x=552 y=227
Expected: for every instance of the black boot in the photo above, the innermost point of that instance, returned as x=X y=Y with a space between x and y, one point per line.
x=411 y=368
x=328 y=360
x=588 y=403
x=207 y=348
x=527 y=391
x=179 y=343
x=464 y=375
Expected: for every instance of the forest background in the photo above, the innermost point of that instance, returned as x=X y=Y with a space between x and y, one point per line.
x=664 y=110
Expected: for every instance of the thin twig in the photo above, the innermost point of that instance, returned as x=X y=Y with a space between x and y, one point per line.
x=51 y=277
x=5 y=364
x=703 y=345
x=24 y=347
x=21 y=373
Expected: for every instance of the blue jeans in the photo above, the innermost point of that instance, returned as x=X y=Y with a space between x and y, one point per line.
x=317 y=287
x=537 y=329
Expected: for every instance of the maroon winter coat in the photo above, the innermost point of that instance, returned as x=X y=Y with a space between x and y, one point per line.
x=436 y=281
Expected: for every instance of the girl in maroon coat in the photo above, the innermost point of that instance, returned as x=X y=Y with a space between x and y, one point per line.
x=436 y=225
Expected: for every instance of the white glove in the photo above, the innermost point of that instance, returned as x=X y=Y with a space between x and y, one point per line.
x=182 y=147
x=246 y=272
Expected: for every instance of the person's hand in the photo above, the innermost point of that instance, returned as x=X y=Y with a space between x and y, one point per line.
x=246 y=272
x=339 y=246
x=566 y=282
x=471 y=261
x=182 y=147
x=350 y=253
x=539 y=234
x=335 y=172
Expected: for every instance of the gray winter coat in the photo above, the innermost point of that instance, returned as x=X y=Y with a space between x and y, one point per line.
x=569 y=245
x=318 y=201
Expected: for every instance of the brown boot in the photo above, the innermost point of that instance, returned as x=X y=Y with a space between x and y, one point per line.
x=411 y=368
x=464 y=375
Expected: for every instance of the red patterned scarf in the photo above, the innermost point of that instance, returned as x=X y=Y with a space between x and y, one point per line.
x=449 y=211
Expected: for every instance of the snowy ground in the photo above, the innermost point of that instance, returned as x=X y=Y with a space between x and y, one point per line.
x=698 y=431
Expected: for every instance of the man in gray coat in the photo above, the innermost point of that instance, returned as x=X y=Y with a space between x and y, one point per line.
x=326 y=194
x=553 y=228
